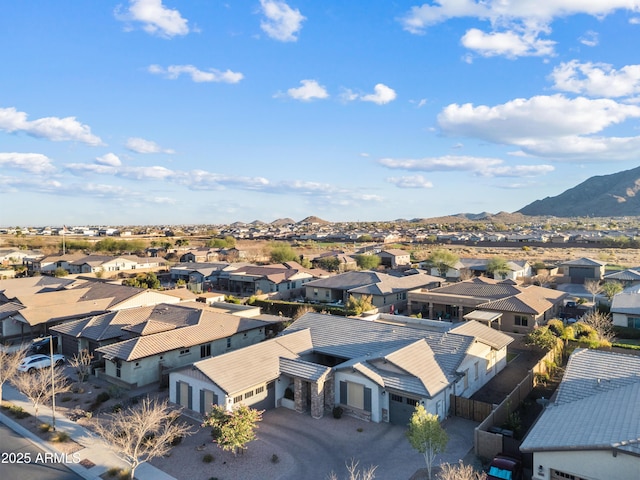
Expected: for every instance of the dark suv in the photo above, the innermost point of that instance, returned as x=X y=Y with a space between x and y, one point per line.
x=42 y=346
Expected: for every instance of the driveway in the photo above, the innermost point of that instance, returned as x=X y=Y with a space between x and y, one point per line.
x=312 y=449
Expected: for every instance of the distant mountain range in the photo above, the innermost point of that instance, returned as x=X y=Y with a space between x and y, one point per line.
x=614 y=195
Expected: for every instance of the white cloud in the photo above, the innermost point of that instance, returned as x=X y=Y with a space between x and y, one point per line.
x=501 y=12
x=52 y=128
x=441 y=164
x=382 y=95
x=486 y=167
x=199 y=76
x=146 y=173
x=309 y=90
x=140 y=145
x=281 y=21
x=590 y=39
x=110 y=159
x=634 y=20
x=155 y=17
x=587 y=148
x=29 y=162
x=417 y=181
x=525 y=122
x=510 y=44
x=516 y=24
x=596 y=79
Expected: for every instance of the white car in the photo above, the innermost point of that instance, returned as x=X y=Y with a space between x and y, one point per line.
x=36 y=362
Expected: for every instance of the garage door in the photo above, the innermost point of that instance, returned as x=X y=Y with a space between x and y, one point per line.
x=270 y=401
x=401 y=408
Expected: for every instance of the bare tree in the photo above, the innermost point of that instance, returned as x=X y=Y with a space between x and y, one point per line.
x=601 y=323
x=355 y=473
x=9 y=363
x=594 y=288
x=459 y=472
x=142 y=432
x=40 y=385
x=81 y=363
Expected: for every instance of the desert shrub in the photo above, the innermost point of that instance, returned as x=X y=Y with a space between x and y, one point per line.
x=274 y=458
x=113 y=471
x=102 y=397
x=18 y=412
x=60 y=437
x=44 y=427
x=207 y=458
x=337 y=412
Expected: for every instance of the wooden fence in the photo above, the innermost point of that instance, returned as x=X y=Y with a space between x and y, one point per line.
x=470 y=409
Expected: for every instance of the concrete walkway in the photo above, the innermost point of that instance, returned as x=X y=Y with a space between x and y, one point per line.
x=95 y=449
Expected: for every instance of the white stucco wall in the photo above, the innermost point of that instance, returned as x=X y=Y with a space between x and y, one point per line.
x=592 y=465
x=377 y=399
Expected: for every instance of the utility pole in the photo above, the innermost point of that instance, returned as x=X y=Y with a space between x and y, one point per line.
x=53 y=386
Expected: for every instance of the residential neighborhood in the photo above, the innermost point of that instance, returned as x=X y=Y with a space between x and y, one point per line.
x=369 y=332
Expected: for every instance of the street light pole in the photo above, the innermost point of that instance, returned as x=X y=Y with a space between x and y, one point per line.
x=53 y=386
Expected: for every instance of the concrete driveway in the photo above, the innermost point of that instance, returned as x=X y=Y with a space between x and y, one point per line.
x=312 y=449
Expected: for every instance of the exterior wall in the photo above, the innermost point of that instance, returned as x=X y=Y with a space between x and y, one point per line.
x=147 y=370
x=377 y=399
x=11 y=327
x=321 y=294
x=475 y=366
x=586 y=464
x=197 y=386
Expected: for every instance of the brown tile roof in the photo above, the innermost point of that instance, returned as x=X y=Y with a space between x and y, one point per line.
x=242 y=369
x=212 y=326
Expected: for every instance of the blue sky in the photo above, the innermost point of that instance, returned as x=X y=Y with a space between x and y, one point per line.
x=204 y=111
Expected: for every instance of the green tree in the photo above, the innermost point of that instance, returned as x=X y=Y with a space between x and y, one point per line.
x=611 y=289
x=366 y=238
x=232 y=430
x=426 y=435
x=143 y=280
x=367 y=262
x=360 y=304
x=330 y=264
x=282 y=252
x=542 y=338
x=60 y=272
x=497 y=267
x=182 y=242
x=443 y=260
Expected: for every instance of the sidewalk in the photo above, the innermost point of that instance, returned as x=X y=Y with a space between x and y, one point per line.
x=95 y=449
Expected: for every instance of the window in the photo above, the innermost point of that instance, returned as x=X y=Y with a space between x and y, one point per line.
x=396 y=398
x=355 y=395
x=259 y=389
x=248 y=394
x=475 y=370
x=118 y=368
x=237 y=399
x=521 y=320
x=633 y=322
x=205 y=350
x=315 y=292
x=229 y=342
x=412 y=401
x=466 y=379
x=184 y=351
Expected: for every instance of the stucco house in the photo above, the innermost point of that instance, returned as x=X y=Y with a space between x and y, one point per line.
x=628 y=278
x=394 y=258
x=170 y=336
x=515 y=307
x=583 y=269
x=32 y=311
x=625 y=308
x=591 y=430
x=107 y=263
x=388 y=292
x=374 y=370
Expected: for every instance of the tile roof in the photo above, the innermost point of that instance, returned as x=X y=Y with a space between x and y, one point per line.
x=626 y=303
x=390 y=284
x=596 y=406
x=629 y=275
x=31 y=285
x=296 y=367
x=584 y=262
x=484 y=334
x=353 y=338
x=211 y=327
x=242 y=369
x=479 y=287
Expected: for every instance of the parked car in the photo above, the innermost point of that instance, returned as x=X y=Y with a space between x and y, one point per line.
x=36 y=362
x=43 y=346
x=504 y=467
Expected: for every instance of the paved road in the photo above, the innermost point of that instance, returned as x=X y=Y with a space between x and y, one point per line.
x=15 y=449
